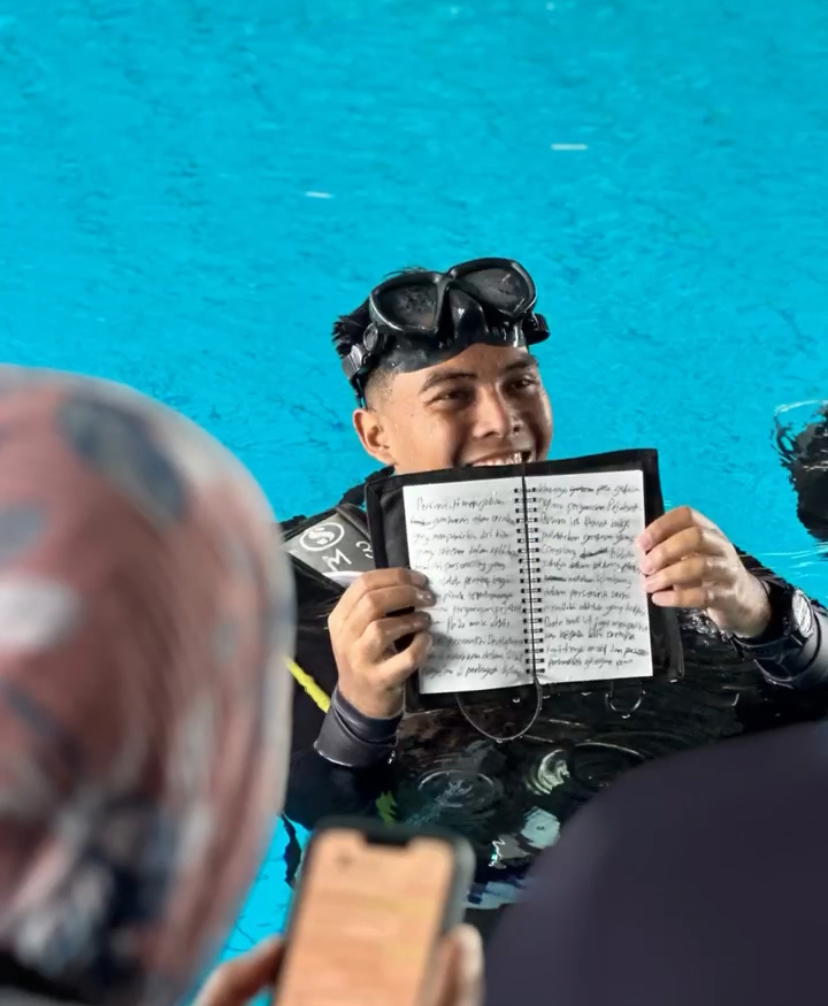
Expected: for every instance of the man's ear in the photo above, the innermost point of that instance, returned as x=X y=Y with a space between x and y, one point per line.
x=371 y=433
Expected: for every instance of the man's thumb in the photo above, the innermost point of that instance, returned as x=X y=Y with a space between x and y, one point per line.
x=237 y=981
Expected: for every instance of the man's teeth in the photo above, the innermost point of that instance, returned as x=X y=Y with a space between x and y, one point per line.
x=505 y=459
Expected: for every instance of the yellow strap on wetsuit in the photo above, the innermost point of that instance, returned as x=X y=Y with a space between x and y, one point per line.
x=310 y=687
x=386 y=804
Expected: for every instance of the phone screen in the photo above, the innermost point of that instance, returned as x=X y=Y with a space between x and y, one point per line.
x=366 y=923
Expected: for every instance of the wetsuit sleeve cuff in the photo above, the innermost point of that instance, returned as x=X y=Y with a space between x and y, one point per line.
x=354 y=740
x=805 y=668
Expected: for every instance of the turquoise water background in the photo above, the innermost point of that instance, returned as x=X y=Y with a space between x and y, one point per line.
x=190 y=191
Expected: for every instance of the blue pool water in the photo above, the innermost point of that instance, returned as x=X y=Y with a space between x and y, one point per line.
x=191 y=190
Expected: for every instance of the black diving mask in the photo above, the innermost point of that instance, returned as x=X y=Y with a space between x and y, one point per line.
x=424 y=318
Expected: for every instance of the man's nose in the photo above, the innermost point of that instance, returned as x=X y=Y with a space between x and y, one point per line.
x=495 y=416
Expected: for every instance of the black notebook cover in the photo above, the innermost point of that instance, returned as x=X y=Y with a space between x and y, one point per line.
x=387 y=523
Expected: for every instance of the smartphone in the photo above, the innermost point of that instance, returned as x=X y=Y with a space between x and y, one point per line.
x=372 y=904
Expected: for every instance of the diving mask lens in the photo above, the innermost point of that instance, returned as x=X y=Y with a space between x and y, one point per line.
x=413 y=306
x=498 y=283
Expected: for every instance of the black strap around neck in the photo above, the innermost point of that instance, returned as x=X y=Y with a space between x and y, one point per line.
x=356 y=495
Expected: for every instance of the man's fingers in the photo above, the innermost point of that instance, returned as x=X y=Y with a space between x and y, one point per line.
x=459 y=978
x=400 y=667
x=390 y=675
x=375 y=612
x=469 y=983
x=681 y=545
x=378 y=603
x=690 y=572
x=376 y=579
x=671 y=523
x=381 y=635
x=701 y=596
x=237 y=981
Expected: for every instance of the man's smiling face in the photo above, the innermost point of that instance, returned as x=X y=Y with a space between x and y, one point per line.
x=487 y=405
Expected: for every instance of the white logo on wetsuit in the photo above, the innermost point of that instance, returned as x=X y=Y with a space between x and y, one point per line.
x=322 y=536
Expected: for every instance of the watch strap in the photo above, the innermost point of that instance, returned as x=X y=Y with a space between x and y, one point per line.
x=785 y=635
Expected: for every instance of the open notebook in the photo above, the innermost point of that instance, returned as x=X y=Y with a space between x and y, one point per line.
x=534 y=568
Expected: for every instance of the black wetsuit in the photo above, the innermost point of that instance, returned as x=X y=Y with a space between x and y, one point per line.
x=509 y=799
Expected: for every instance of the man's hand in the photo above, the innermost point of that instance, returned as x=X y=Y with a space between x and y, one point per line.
x=363 y=629
x=689 y=563
x=238 y=981
x=456 y=978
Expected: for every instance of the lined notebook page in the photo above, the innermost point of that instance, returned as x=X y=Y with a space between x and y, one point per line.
x=464 y=537
x=595 y=619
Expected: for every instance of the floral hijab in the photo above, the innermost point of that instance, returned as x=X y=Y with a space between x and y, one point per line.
x=145 y=610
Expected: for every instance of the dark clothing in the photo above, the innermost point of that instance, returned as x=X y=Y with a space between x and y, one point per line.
x=697 y=881
x=350 y=738
x=509 y=799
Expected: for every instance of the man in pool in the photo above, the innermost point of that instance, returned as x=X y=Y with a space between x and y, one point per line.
x=444 y=378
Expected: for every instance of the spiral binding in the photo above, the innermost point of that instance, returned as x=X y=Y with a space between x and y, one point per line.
x=531 y=584
x=531 y=579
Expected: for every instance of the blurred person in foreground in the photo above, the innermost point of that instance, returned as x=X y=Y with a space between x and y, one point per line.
x=146 y=611
x=699 y=880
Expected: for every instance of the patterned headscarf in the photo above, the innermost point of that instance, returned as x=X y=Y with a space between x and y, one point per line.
x=145 y=612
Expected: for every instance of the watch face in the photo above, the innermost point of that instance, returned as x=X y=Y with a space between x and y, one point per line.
x=803 y=616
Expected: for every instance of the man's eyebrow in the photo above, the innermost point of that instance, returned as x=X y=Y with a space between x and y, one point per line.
x=441 y=376
x=528 y=362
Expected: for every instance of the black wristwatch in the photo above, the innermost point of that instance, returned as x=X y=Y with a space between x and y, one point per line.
x=791 y=626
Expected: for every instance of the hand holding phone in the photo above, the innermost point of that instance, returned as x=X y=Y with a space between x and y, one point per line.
x=238 y=981
x=457 y=978
x=369 y=922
